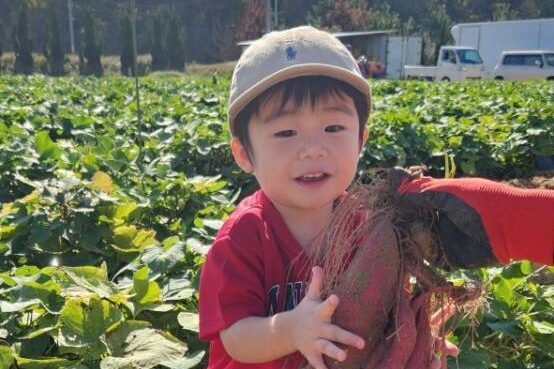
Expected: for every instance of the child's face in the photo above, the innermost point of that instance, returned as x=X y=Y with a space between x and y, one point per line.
x=306 y=157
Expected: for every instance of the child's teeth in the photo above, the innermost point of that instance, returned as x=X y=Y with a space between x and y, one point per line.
x=312 y=176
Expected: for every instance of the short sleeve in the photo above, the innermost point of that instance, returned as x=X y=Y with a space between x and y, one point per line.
x=232 y=278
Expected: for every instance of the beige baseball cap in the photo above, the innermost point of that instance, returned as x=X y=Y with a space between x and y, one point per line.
x=282 y=55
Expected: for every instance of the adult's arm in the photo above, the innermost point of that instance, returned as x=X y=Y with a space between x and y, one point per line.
x=482 y=222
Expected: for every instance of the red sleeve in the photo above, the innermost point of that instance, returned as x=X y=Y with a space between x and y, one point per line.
x=231 y=282
x=519 y=222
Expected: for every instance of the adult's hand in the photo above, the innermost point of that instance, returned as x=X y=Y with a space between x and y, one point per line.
x=482 y=222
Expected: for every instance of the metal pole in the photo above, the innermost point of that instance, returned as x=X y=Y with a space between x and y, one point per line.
x=276 y=14
x=135 y=72
x=267 y=16
x=70 y=16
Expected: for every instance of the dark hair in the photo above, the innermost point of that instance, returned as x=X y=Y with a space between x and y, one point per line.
x=298 y=90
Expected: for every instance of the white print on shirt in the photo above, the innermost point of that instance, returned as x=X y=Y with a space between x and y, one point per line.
x=293 y=295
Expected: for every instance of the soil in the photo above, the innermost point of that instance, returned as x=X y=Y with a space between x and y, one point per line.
x=543 y=179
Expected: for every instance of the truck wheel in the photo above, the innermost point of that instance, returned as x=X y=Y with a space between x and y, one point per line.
x=499 y=78
x=445 y=79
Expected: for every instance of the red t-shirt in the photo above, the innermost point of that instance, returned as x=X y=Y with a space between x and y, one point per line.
x=255 y=268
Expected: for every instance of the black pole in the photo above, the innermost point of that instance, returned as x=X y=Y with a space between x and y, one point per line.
x=135 y=72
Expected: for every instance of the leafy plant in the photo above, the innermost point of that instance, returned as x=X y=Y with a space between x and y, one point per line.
x=104 y=223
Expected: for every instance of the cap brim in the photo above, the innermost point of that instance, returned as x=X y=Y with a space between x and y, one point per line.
x=300 y=70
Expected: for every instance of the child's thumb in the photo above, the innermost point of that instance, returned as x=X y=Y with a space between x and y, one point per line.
x=314 y=289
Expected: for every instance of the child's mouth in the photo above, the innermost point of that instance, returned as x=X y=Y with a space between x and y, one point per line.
x=312 y=178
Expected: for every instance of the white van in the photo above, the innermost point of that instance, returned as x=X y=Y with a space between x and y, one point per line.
x=525 y=64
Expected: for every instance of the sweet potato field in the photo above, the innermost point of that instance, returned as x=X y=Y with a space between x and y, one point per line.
x=105 y=218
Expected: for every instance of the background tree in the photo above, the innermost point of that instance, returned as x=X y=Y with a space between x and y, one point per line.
x=212 y=33
x=126 y=43
x=91 y=47
x=347 y=15
x=53 y=45
x=22 y=42
x=175 y=43
x=341 y=15
x=382 y=17
x=437 y=27
x=1 y=43
x=251 y=24
x=503 y=11
x=157 y=40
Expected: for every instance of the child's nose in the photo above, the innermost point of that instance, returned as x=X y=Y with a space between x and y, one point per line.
x=313 y=149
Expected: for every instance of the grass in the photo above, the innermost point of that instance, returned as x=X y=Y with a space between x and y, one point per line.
x=111 y=66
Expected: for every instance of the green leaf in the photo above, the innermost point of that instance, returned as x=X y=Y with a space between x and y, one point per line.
x=12 y=307
x=526 y=267
x=125 y=210
x=45 y=363
x=6 y=357
x=160 y=260
x=46 y=148
x=70 y=343
x=49 y=295
x=508 y=327
x=133 y=344
x=38 y=332
x=124 y=235
x=503 y=291
x=93 y=280
x=189 y=321
x=190 y=361
x=89 y=319
x=145 y=291
x=544 y=327
x=470 y=359
x=212 y=223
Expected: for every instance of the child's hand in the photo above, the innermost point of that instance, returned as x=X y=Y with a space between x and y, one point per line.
x=314 y=334
x=443 y=347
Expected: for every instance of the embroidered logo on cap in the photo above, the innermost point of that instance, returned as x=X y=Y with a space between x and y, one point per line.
x=291 y=52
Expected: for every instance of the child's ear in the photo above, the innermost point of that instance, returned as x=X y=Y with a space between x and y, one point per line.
x=241 y=156
x=365 y=134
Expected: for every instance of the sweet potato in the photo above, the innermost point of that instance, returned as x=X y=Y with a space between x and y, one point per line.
x=367 y=291
x=400 y=344
x=423 y=349
x=371 y=248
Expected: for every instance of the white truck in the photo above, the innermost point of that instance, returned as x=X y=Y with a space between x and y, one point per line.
x=454 y=63
x=491 y=39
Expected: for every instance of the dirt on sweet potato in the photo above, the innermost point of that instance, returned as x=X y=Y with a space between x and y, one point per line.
x=368 y=253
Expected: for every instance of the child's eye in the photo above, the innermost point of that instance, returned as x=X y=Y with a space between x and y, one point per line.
x=334 y=128
x=285 y=133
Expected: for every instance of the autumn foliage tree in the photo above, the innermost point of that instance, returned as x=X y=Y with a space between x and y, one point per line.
x=340 y=15
x=252 y=20
x=347 y=15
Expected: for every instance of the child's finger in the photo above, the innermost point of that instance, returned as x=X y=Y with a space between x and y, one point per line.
x=314 y=289
x=337 y=334
x=446 y=347
x=440 y=317
x=331 y=350
x=328 y=307
x=316 y=361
